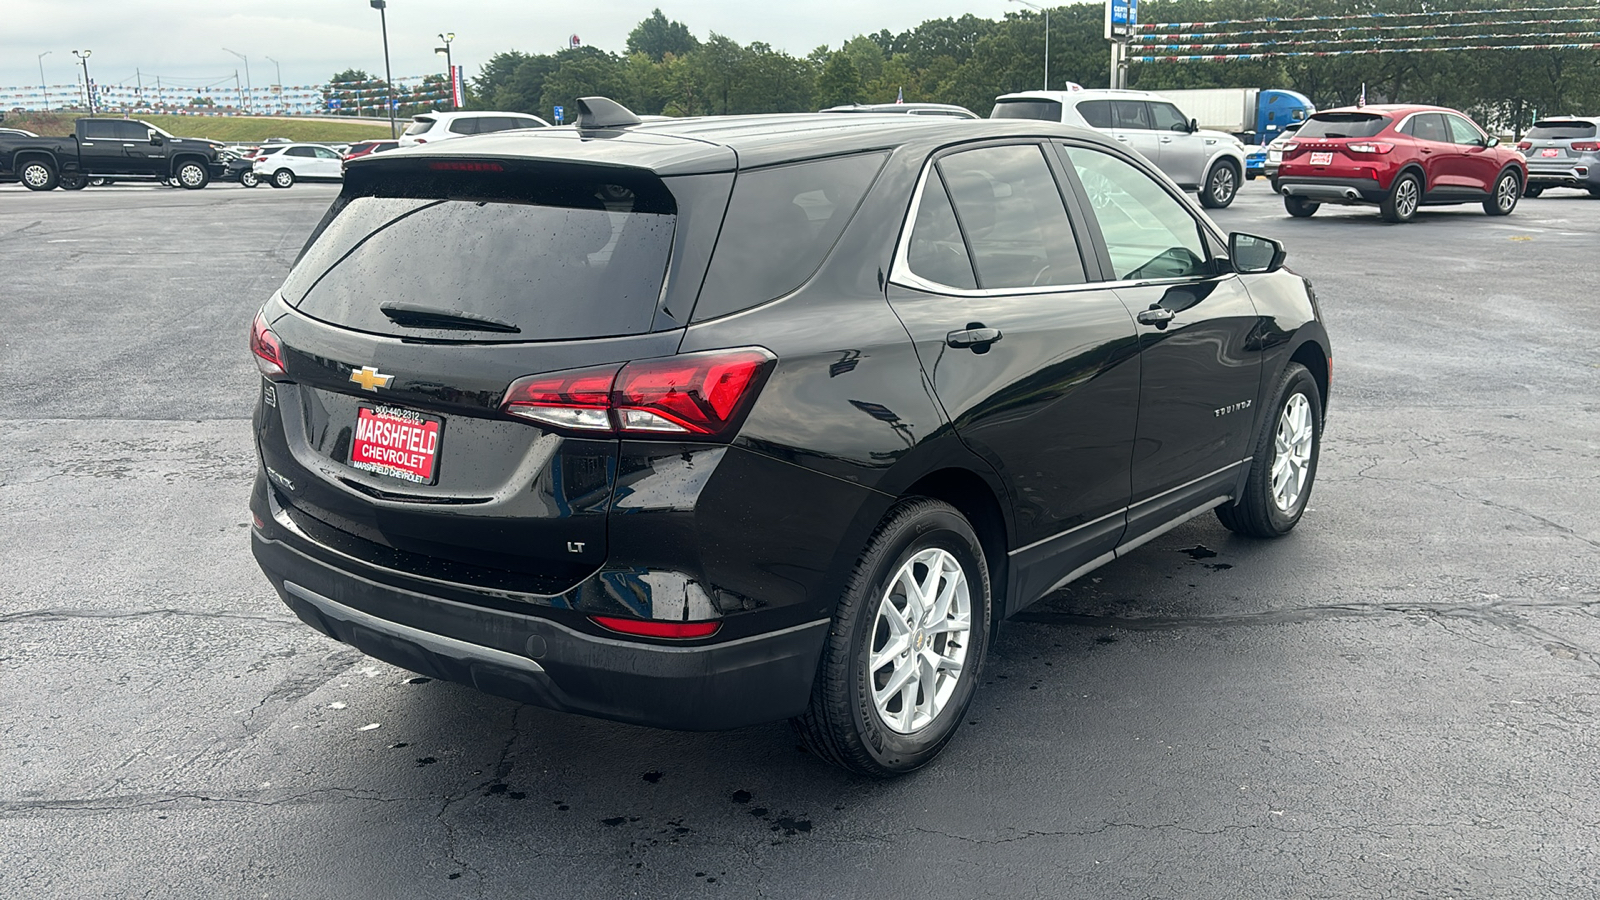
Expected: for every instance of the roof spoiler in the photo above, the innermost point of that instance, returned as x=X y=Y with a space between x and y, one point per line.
x=603 y=112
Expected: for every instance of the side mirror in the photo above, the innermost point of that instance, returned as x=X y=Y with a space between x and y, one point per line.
x=1194 y=125
x=1253 y=255
x=1493 y=142
x=155 y=139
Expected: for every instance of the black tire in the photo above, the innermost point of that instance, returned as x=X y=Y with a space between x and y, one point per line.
x=73 y=182
x=1532 y=192
x=1595 y=192
x=38 y=175
x=1403 y=200
x=283 y=178
x=1221 y=185
x=843 y=724
x=192 y=175
x=1259 y=512
x=1503 y=199
x=248 y=179
x=1300 y=207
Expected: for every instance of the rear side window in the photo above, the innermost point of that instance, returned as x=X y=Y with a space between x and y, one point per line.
x=526 y=123
x=1045 y=110
x=585 y=259
x=1560 y=131
x=102 y=129
x=1129 y=114
x=419 y=126
x=936 y=251
x=299 y=151
x=1427 y=127
x=781 y=223
x=1096 y=112
x=1344 y=125
x=1013 y=217
x=468 y=125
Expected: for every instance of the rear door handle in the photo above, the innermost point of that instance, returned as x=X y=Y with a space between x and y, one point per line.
x=975 y=336
x=1155 y=315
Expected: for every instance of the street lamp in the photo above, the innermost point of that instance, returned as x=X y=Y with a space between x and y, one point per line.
x=449 y=66
x=44 y=88
x=388 y=76
x=1046 y=38
x=249 y=89
x=279 y=82
x=88 y=86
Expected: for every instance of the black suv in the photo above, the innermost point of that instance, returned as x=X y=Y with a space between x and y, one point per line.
x=711 y=422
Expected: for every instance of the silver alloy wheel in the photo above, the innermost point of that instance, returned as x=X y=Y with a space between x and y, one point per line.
x=1291 y=456
x=191 y=175
x=283 y=178
x=1405 y=198
x=248 y=179
x=1505 y=196
x=1222 y=184
x=919 y=640
x=36 y=175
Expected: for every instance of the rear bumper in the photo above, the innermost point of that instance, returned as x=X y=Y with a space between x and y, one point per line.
x=1330 y=190
x=1579 y=175
x=537 y=660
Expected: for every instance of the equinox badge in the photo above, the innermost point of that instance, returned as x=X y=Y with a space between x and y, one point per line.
x=370 y=378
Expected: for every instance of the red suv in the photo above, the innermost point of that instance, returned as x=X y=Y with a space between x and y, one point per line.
x=1400 y=158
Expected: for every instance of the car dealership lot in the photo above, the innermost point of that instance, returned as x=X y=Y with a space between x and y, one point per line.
x=1399 y=699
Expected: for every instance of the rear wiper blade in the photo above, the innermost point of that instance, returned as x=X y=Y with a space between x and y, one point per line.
x=412 y=315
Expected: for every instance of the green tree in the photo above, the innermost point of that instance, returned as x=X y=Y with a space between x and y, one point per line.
x=838 y=83
x=655 y=37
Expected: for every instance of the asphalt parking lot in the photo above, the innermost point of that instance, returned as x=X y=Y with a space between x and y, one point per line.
x=1400 y=699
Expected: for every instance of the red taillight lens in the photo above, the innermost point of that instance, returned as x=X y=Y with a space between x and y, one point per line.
x=651 y=628
x=1370 y=147
x=1524 y=145
x=1290 y=148
x=580 y=398
x=696 y=394
x=264 y=344
x=1586 y=146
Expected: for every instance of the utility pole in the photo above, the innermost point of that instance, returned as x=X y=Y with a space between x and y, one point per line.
x=1046 y=12
x=449 y=66
x=388 y=76
x=278 y=107
x=44 y=89
x=88 y=86
x=238 y=89
x=252 y=101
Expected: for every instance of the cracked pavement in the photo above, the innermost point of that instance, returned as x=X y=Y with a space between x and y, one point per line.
x=1399 y=700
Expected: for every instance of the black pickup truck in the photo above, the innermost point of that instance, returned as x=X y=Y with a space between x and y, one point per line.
x=125 y=149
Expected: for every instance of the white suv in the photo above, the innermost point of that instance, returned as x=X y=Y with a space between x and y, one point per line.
x=438 y=126
x=1209 y=162
x=281 y=165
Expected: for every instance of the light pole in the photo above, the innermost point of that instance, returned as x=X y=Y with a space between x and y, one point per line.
x=279 y=83
x=449 y=66
x=88 y=86
x=1046 y=38
x=44 y=89
x=249 y=89
x=388 y=76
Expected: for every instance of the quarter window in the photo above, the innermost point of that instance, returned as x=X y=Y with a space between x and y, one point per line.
x=1096 y=112
x=1148 y=233
x=1013 y=218
x=937 y=252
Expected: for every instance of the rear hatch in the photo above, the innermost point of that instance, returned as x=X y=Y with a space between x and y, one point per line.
x=1555 y=144
x=1337 y=145
x=431 y=286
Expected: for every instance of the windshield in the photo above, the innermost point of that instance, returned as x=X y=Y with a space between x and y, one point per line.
x=1560 y=131
x=1343 y=125
x=1047 y=110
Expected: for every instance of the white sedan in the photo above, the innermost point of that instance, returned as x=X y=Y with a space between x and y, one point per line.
x=299 y=162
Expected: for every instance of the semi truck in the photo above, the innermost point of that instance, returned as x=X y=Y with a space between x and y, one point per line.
x=1253 y=115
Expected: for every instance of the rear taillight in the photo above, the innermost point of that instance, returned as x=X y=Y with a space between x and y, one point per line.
x=1370 y=147
x=1525 y=145
x=1586 y=146
x=264 y=344
x=693 y=395
x=657 y=629
x=1290 y=148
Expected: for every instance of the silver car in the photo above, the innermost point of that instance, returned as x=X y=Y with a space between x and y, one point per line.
x=1562 y=152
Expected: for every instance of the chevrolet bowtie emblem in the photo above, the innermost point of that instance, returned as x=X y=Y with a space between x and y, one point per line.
x=370 y=378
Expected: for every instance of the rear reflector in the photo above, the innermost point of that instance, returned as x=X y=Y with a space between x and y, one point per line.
x=264 y=344
x=693 y=395
x=461 y=165
x=655 y=629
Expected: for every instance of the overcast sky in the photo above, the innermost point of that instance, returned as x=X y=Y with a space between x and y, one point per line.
x=312 y=39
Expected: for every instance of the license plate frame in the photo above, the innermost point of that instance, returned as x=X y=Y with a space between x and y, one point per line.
x=1322 y=159
x=397 y=443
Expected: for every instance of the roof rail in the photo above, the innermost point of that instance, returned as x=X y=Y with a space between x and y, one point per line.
x=603 y=112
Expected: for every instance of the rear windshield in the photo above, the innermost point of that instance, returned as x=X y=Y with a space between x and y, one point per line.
x=586 y=259
x=419 y=126
x=1560 y=131
x=1343 y=125
x=1047 y=110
